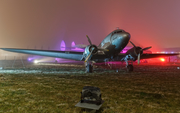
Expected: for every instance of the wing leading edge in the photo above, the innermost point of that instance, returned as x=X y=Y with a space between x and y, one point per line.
x=49 y=53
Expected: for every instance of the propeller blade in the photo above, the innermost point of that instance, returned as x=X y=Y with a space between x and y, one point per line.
x=87 y=58
x=132 y=44
x=89 y=40
x=146 y=48
x=139 y=58
x=100 y=49
x=80 y=46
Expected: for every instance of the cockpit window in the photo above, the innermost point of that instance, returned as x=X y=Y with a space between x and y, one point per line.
x=120 y=31
x=117 y=31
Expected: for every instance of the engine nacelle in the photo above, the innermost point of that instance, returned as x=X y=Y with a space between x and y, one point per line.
x=138 y=50
x=132 y=53
x=90 y=48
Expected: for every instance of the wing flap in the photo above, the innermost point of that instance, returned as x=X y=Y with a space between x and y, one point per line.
x=49 y=53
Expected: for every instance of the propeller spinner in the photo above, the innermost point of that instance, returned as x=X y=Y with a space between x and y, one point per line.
x=93 y=49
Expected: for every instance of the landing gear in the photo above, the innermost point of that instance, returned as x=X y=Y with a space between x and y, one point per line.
x=89 y=68
x=129 y=68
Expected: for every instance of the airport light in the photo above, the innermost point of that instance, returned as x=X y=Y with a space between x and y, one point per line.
x=76 y=48
x=63 y=46
x=29 y=59
x=73 y=44
x=162 y=59
x=36 y=61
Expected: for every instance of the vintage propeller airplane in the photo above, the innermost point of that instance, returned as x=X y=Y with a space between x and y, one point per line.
x=108 y=50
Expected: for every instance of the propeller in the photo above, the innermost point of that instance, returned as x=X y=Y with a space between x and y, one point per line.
x=139 y=51
x=146 y=48
x=88 y=57
x=132 y=44
x=89 y=40
x=93 y=49
x=82 y=46
x=139 y=58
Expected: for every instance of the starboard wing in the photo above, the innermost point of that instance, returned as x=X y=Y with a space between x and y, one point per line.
x=48 y=53
x=153 y=55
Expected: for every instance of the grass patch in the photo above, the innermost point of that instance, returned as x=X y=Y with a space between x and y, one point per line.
x=123 y=92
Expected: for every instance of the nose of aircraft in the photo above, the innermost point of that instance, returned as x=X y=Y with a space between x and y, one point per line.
x=121 y=40
x=123 y=37
x=126 y=35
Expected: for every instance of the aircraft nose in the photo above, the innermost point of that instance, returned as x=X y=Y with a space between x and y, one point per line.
x=126 y=35
x=121 y=40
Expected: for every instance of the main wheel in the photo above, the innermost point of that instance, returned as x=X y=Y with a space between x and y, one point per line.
x=129 y=68
x=89 y=68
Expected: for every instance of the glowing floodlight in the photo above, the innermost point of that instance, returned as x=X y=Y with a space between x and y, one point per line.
x=35 y=61
x=29 y=59
x=162 y=59
x=63 y=46
x=73 y=44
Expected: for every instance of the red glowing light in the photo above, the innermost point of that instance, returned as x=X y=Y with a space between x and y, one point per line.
x=162 y=59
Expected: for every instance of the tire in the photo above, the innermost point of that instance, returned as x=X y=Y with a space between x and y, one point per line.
x=89 y=68
x=130 y=68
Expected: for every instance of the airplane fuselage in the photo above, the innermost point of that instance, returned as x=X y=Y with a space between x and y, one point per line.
x=115 y=42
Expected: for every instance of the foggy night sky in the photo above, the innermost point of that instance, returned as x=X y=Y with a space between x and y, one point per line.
x=30 y=23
